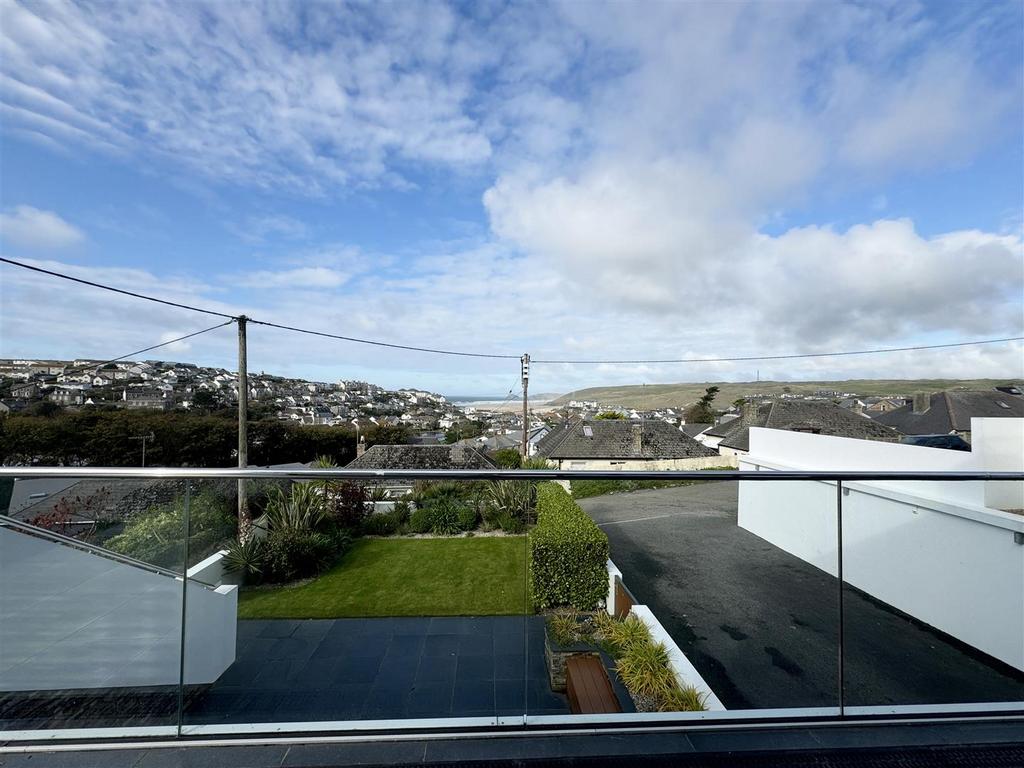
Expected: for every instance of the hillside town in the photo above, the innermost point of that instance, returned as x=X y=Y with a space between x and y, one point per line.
x=686 y=436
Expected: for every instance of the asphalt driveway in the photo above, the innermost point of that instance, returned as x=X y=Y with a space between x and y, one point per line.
x=762 y=625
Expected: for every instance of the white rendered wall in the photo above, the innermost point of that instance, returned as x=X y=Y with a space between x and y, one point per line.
x=71 y=620
x=998 y=445
x=932 y=550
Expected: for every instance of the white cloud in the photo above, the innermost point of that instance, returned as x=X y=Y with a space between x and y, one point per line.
x=302 y=277
x=33 y=228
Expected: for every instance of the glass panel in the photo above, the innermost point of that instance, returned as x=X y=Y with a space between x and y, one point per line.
x=724 y=596
x=90 y=603
x=934 y=609
x=362 y=603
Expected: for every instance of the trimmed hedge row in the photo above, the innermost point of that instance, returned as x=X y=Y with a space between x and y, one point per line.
x=568 y=553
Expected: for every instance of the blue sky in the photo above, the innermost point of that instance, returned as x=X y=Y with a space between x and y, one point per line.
x=572 y=180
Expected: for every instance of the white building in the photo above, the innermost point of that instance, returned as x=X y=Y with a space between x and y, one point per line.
x=948 y=553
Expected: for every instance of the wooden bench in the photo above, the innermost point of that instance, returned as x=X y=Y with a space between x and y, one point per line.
x=590 y=691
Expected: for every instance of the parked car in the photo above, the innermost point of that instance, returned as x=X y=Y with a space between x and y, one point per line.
x=950 y=442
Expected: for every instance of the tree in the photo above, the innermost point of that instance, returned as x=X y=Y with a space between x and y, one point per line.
x=611 y=415
x=508 y=458
x=702 y=412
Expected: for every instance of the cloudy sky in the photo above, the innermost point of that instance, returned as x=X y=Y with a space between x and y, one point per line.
x=580 y=180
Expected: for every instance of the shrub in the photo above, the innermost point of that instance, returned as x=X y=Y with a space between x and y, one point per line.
x=444 y=517
x=302 y=509
x=294 y=554
x=420 y=521
x=568 y=553
x=157 y=535
x=381 y=524
x=346 y=504
x=564 y=627
x=512 y=499
x=645 y=672
x=249 y=559
x=683 y=699
x=467 y=518
x=401 y=511
x=508 y=458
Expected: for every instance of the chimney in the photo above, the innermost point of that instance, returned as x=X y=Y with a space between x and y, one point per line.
x=858 y=407
x=638 y=438
x=458 y=454
x=749 y=412
x=922 y=402
x=361 y=447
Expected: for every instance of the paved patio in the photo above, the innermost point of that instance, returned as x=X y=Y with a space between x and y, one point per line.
x=369 y=669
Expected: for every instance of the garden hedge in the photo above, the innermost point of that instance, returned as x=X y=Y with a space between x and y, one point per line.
x=568 y=553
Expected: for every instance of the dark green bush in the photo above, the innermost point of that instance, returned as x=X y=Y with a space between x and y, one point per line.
x=468 y=518
x=444 y=516
x=157 y=535
x=381 y=524
x=421 y=520
x=568 y=553
x=294 y=554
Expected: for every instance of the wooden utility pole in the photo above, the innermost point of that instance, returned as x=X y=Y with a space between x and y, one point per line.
x=244 y=519
x=526 y=413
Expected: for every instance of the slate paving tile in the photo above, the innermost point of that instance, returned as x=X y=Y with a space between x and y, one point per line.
x=386 y=701
x=275 y=674
x=292 y=649
x=313 y=630
x=430 y=700
x=472 y=668
x=476 y=645
x=356 y=670
x=510 y=696
x=279 y=629
x=436 y=669
x=441 y=645
x=406 y=645
x=473 y=696
x=315 y=674
x=510 y=667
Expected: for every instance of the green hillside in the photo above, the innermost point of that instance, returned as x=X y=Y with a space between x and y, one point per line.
x=646 y=396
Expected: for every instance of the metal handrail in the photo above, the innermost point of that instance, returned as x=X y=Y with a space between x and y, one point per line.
x=68 y=541
x=234 y=473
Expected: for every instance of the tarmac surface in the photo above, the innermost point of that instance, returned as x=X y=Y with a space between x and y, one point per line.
x=762 y=626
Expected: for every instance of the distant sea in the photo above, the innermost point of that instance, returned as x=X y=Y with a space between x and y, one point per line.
x=474 y=398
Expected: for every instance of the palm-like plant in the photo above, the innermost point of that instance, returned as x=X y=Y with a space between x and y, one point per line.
x=301 y=510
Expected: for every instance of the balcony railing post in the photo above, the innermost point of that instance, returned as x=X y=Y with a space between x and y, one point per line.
x=184 y=599
x=839 y=571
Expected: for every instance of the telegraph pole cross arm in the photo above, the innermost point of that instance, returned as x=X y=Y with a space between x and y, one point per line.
x=525 y=362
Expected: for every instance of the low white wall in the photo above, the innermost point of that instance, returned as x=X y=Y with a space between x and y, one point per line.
x=613 y=573
x=75 y=620
x=210 y=571
x=932 y=550
x=685 y=672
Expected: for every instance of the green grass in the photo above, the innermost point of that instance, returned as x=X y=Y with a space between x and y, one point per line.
x=480 y=576
x=584 y=489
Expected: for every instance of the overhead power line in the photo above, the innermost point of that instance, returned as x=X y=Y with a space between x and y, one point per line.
x=495 y=356
x=804 y=355
x=429 y=350
x=115 y=290
x=92 y=366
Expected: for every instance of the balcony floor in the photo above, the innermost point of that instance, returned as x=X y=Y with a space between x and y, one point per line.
x=376 y=669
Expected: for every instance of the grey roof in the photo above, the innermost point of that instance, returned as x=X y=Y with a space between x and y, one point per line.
x=421 y=457
x=951 y=411
x=820 y=417
x=692 y=430
x=614 y=439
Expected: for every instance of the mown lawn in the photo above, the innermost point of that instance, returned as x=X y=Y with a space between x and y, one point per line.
x=480 y=576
